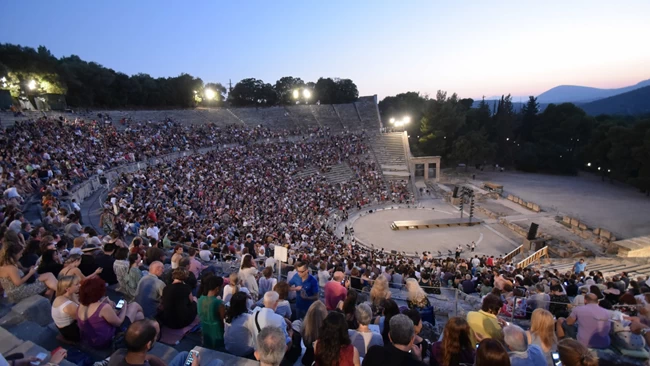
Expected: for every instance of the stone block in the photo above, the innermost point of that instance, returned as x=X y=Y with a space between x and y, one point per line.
x=511 y=197
x=575 y=222
x=536 y=207
x=586 y=234
x=566 y=220
x=8 y=341
x=605 y=234
x=30 y=331
x=164 y=352
x=582 y=226
x=597 y=231
x=30 y=349
x=36 y=309
x=11 y=319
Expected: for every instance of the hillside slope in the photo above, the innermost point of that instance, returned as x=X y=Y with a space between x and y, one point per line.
x=583 y=94
x=631 y=103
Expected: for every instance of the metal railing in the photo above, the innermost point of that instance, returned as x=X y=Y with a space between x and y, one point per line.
x=533 y=258
x=513 y=254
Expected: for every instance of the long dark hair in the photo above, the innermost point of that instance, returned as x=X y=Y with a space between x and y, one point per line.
x=390 y=310
x=237 y=306
x=455 y=340
x=333 y=336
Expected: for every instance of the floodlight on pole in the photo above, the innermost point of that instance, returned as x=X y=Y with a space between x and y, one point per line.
x=296 y=94
x=210 y=94
x=306 y=93
x=31 y=85
x=392 y=121
x=588 y=164
x=406 y=119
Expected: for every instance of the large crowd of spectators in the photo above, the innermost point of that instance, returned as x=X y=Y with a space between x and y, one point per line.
x=190 y=246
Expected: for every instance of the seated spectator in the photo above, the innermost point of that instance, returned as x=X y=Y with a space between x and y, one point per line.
x=150 y=290
x=129 y=284
x=271 y=347
x=378 y=293
x=266 y=316
x=612 y=294
x=266 y=282
x=589 y=324
x=467 y=285
x=455 y=347
x=348 y=306
x=485 y=288
x=490 y=352
x=105 y=261
x=542 y=333
x=417 y=299
x=310 y=329
x=140 y=338
x=521 y=353
x=97 y=320
x=559 y=301
x=71 y=268
x=121 y=265
x=64 y=309
x=390 y=309
x=284 y=308
x=234 y=287
x=485 y=323
x=335 y=291
x=539 y=299
x=78 y=244
x=212 y=313
x=424 y=344
x=50 y=263
x=574 y=353
x=400 y=351
x=178 y=304
x=579 y=300
x=195 y=267
x=238 y=339
x=333 y=347
x=17 y=285
x=184 y=263
x=247 y=275
x=176 y=257
x=363 y=338
x=154 y=254
x=205 y=254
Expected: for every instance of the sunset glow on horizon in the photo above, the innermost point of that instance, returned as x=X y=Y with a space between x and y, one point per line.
x=471 y=48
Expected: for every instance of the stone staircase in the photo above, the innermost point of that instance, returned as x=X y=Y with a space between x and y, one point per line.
x=608 y=266
x=389 y=152
x=340 y=173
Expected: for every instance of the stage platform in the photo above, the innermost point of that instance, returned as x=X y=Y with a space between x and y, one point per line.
x=434 y=224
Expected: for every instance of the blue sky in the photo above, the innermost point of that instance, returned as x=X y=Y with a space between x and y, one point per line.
x=386 y=47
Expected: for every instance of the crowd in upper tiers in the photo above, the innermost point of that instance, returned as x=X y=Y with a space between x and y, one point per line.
x=189 y=247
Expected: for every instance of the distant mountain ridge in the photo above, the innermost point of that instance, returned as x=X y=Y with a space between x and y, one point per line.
x=634 y=102
x=583 y=94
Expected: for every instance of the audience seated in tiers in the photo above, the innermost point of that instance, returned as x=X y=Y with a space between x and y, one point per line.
x=223 y=205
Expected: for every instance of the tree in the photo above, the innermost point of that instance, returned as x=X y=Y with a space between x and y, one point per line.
x=325 y=90
x=528 y=119
x=284 y=89
x=443 y=117
x=252 y=91
x=346 y=91
x=220 y=96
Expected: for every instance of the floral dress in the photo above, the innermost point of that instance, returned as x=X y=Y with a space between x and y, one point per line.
x=17 y=293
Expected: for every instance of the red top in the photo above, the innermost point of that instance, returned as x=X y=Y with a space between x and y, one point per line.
x=334 y=292
x=346 y=357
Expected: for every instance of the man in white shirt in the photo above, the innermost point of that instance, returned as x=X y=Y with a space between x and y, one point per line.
x=266 y=317
x=475 y=261
x=152 y=231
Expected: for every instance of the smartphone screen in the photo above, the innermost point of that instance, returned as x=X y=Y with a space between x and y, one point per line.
x=190 y=357
x=119 y=305
x=556 y=356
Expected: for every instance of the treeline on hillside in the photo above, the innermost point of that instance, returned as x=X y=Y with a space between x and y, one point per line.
x=30 y=72
x=561 y=139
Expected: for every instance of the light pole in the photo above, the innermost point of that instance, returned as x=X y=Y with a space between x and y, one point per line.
x=400 y=123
